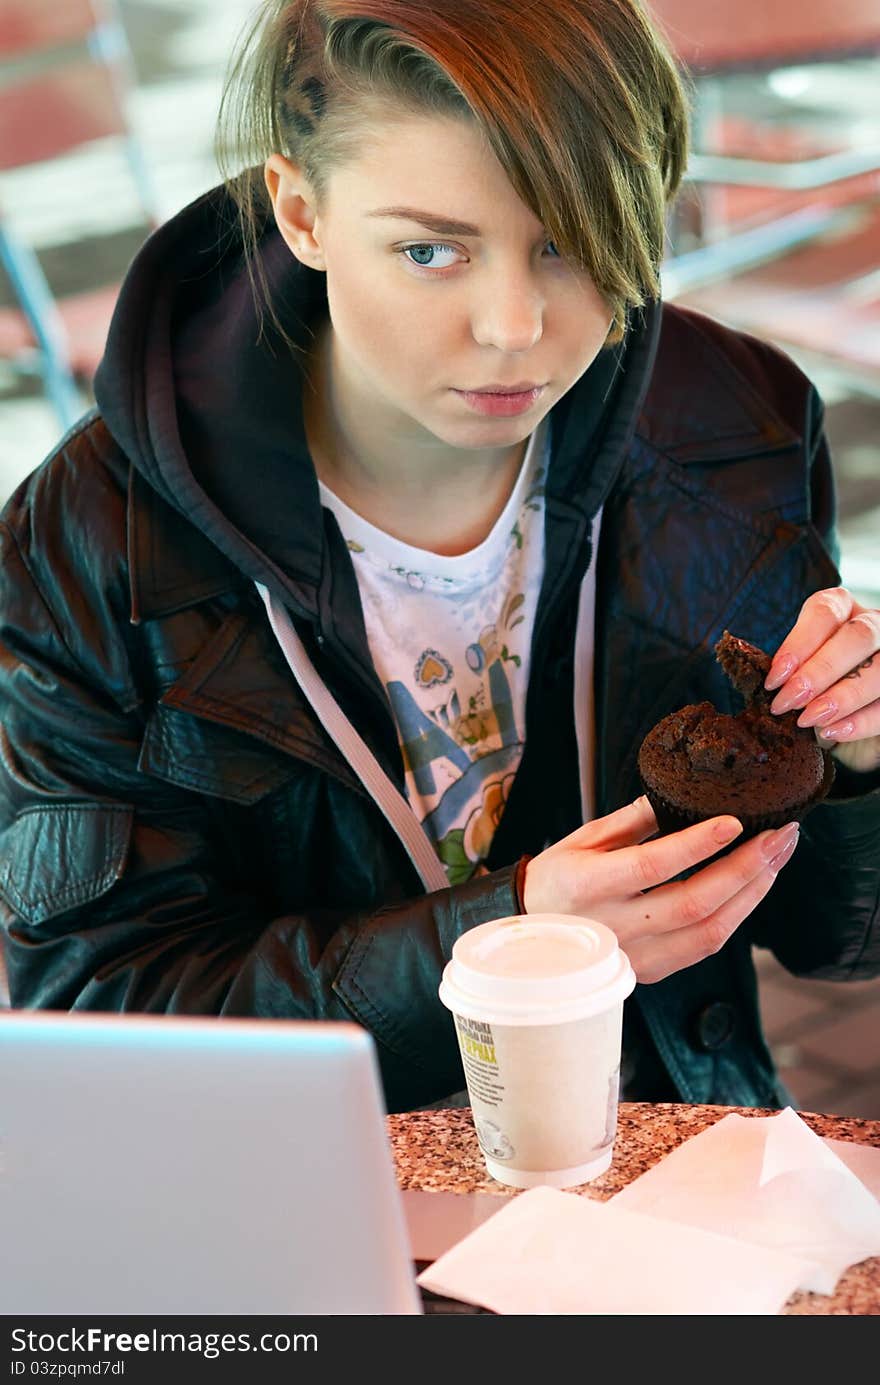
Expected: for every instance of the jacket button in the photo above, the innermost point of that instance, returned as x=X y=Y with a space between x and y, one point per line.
x=714 y=1025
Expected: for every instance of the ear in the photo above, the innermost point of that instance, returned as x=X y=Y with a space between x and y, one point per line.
x=294 y=206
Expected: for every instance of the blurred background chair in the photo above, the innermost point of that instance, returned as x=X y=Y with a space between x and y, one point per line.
x=65 y=76
x=778 y=226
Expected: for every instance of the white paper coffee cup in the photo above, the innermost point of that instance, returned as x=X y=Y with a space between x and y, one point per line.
x=537 y=1002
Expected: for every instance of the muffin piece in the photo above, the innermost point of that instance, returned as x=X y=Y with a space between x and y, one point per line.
x=746 y=667
x=766 y=770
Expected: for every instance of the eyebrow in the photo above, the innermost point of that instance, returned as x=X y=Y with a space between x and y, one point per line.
x=441 y=225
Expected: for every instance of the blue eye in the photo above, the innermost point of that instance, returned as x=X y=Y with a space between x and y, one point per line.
x=429 y=249
x=423 y=253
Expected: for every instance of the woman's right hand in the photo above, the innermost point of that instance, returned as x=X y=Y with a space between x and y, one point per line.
x=607 y=870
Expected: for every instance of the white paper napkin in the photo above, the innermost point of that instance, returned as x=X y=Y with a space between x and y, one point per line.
x=552 y=1252
x=767 y=1180
x=733 y=1221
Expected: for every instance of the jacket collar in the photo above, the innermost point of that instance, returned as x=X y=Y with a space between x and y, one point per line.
x=662 y=495
x=728 y=415
x=175 y=562
x=171 y=565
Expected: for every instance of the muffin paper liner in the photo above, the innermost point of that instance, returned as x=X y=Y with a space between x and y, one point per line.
x=672 y=819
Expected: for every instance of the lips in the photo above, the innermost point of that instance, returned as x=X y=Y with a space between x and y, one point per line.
x=523 y=387
x=501 y=404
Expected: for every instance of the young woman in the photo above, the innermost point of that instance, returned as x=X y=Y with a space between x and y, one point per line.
x=406 y=509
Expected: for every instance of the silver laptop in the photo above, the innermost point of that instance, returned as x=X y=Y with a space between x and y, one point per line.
x=160 y=1165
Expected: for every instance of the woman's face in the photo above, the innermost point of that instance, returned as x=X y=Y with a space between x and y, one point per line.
x=421 y=314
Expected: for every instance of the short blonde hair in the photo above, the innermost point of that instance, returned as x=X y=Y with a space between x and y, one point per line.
x=580 y=100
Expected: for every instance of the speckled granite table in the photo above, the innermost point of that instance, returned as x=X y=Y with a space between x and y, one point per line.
x=438 y=1150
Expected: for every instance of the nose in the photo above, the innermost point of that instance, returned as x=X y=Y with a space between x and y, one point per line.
x=510 y=314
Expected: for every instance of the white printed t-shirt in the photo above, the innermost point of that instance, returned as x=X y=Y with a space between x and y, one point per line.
x=450 y=639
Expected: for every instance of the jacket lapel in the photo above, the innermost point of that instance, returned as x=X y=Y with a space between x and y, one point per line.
x=225 y=725
x=236 y=693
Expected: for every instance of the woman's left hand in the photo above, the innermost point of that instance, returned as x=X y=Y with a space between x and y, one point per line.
x=830 y=666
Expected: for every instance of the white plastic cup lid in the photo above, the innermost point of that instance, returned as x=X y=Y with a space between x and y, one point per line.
x=536 y=969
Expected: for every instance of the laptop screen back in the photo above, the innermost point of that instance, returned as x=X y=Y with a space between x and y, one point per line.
x=160 y=1165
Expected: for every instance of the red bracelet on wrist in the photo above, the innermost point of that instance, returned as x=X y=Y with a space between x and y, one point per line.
x=519 y=883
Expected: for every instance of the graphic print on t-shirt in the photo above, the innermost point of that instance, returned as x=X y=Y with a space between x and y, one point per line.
x=450 y=639
x=461 y=748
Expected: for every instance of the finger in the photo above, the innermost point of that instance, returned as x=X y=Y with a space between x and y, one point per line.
x=862 y=756
x=856 y=742
x=821 y=615
x=688 y=902
x=861 y=725
x=654 y=958
x=626 y=827
x=642 y=867
x=858 y=687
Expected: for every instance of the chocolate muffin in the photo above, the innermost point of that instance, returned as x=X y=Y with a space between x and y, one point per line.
x=766 y=770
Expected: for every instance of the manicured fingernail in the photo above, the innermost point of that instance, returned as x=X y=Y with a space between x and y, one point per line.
x=798 y=695
x=823 y=711
x=784 y=855
x=779 y=840
x=727 y=830
x=838 y=733
x=779 y=671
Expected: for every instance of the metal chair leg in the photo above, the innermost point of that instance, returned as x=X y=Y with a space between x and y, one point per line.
x=39 y=307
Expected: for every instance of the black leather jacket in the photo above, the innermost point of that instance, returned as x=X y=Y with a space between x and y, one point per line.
x=178 y=833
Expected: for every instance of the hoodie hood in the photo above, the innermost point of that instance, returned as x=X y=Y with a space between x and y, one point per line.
x=207 y=406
